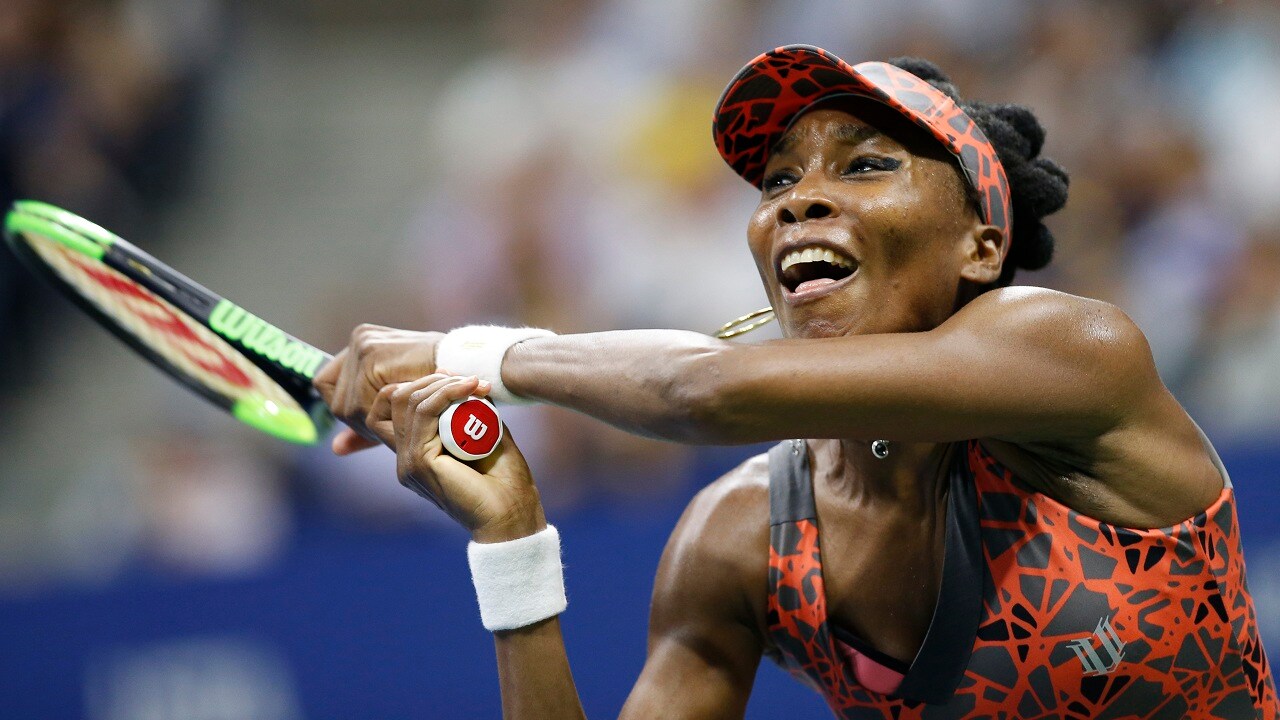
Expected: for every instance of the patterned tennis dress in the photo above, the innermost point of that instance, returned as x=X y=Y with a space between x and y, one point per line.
x=1042 y=612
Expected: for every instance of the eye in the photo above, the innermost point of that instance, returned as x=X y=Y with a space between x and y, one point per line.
x=778 y=180
x=871 y=163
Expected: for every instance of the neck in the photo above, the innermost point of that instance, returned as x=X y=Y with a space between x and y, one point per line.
x=912 y=474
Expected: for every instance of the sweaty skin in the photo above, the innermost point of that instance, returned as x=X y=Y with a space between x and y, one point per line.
x=1061 y=389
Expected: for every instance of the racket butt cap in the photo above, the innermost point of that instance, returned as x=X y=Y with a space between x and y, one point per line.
x=470 y=429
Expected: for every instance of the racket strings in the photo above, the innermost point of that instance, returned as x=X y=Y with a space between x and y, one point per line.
x=190 y=347
x=136 y=300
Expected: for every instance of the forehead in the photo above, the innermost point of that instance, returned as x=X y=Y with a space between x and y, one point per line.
x=825 y=124
x=849 y=121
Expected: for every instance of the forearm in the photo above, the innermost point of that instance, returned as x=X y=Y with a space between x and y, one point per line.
x=534 y=674
x=658 y=383
x=691 y=388
x=1025 y=366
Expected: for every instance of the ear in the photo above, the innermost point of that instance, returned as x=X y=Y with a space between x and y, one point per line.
x=983 y=251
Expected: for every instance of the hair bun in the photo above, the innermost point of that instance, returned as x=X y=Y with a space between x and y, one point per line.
x=1021 y=119
x=1042 y=187
x=928 y=72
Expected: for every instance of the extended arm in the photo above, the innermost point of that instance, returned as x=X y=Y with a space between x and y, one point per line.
x=1016 y=364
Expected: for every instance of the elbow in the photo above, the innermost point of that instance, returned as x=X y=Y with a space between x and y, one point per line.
x=700 y=396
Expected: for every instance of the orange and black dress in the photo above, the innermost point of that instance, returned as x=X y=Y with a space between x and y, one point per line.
x=1042 y=612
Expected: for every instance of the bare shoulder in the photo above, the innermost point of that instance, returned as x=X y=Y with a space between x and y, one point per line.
x=727 y=519
x=742 y=488
x=1147 y=457
x=1095 y=338
x=717 y=556
x=1040 y=311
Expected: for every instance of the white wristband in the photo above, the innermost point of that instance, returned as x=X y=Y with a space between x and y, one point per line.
x=518 y=582
x=478 y=350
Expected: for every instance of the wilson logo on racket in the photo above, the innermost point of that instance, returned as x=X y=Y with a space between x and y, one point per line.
x=470 y=429
x=475 y=429
x=257 y=335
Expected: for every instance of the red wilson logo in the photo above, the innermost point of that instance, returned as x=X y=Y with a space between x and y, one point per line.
x=475 y=427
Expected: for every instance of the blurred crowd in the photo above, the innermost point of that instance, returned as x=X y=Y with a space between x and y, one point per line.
x=574 y=185
x=582 y=182
x=580 y=172
x=100 y=109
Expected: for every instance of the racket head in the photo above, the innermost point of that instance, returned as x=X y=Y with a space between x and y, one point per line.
x=165 y=317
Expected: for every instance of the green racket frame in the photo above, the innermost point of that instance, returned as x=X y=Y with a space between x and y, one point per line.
x=286 y=360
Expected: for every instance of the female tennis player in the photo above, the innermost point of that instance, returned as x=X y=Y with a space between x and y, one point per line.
x=997 y=509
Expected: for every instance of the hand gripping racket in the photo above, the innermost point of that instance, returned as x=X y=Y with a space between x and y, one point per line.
x=236 y=360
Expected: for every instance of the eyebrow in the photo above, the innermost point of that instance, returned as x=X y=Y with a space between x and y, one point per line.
x=847 y=134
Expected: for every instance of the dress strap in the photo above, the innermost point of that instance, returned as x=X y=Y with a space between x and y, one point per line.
x=790 y=484
x=939 y=666
x=1213 y=455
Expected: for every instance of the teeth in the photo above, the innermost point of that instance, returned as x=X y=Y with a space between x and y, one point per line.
x=815 y=254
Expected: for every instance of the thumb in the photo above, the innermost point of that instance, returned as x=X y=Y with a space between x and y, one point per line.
x=348 y=441
x=506 y=461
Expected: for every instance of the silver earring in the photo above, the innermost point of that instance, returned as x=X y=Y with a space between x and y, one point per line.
x=880 y=449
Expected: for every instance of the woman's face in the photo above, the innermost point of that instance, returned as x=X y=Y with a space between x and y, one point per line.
x=864 y=226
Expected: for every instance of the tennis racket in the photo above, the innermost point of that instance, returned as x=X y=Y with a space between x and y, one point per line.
x=233 y=358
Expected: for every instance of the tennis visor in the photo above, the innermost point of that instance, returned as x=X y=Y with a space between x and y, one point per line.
x=767 y=95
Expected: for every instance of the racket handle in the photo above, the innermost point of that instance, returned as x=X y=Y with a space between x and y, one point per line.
x=470 y=429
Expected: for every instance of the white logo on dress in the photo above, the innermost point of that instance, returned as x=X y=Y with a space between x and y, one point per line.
x=474 y=428
x=1110 y=644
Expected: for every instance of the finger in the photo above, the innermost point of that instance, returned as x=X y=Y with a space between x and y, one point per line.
x=418 y=423
x=402 y=402
x=327 y=378
x=351 y=381
x=506 y=454
x=348 y=441
x=408 y=446
x=422 y=387
x=430 y=404
x=378 y=419
x=341 y=393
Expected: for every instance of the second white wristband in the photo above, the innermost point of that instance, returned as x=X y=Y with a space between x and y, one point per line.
x=478 y=350
x=518 y=582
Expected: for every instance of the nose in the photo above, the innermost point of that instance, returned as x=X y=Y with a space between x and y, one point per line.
x=805 y=204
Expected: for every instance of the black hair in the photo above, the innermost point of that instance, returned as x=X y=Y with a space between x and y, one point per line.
x=1037 y=185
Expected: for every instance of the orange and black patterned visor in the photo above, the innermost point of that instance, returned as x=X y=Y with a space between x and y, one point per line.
x=765 y=97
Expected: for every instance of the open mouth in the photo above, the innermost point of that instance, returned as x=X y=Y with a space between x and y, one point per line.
x=810 y=268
